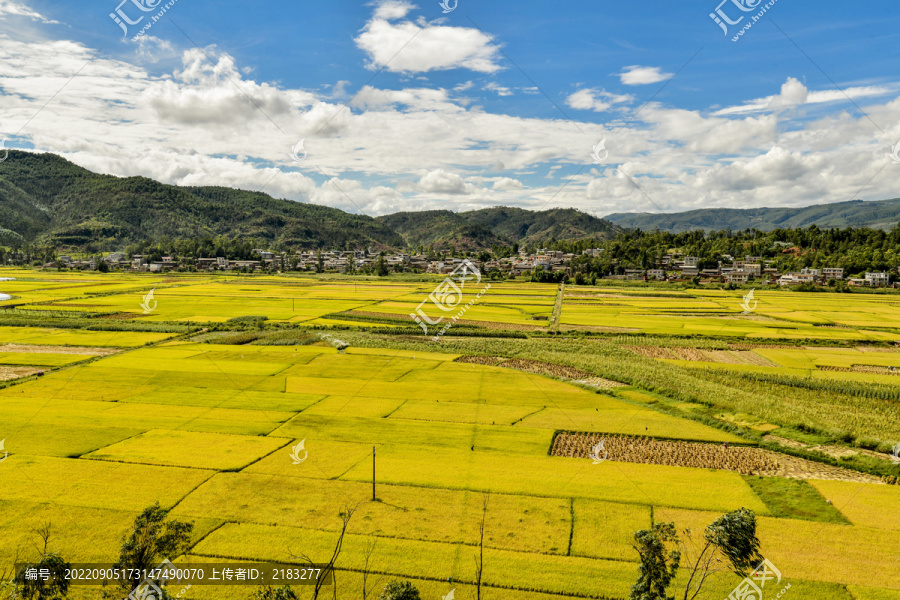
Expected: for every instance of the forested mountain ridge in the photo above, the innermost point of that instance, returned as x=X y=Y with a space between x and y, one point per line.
x=880 y=214
x=45 y=198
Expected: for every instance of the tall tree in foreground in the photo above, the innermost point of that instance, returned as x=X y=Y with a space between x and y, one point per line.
x=366 y=589
x=657 y=549
x=328 y=568
x=728 y=542
x=152 y=540
x=55 y=587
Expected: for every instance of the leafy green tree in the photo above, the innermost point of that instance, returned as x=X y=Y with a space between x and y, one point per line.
x=730 y=540
x=152 y=540
x=381 y=268
x=55 y=587
x=659 y=556
x=397 y=590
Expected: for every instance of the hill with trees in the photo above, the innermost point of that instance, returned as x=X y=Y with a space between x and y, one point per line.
x=47 y=199
x=881 y=214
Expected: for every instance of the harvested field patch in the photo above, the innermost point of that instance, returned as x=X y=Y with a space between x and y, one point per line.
x=490 y=361
x=600 y=383
x=542 y=368
x=482 y=324
x=691 y=354
x=740 y=459
x=532 y=366
x=7 y=373
x=875 y=369
x=731 y=357
x=746 y=346
x=653 y=352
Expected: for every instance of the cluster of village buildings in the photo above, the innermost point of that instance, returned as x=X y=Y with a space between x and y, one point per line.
x=672 y=267
x=676 y=267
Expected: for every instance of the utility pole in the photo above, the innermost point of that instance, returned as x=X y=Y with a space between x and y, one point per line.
x=373 y=473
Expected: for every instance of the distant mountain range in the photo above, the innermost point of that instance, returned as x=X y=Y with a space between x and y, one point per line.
x=46 y=198
x=881 y=214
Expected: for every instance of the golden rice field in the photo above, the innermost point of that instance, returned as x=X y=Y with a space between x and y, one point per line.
x=207 y=430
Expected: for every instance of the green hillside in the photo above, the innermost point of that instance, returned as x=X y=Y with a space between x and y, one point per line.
x=489 y=226
x=882 y=214
x=46 y=198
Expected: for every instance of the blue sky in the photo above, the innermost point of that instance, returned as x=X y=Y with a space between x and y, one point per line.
x=403 y=107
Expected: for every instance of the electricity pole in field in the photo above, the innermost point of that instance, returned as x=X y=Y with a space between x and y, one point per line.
x=373 y=473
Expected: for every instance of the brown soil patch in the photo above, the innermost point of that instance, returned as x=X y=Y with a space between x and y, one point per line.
x=740 y=459
x=21 y=348
x=123 y=316
x=7 y=373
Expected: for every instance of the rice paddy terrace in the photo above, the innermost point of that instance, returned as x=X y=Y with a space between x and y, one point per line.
x=112 y=400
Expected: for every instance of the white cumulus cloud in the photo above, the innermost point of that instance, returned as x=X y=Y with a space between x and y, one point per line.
x=638 y=75
x=408 y=47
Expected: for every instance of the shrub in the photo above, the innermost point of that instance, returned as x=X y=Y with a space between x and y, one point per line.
x=270 y=593
x=248 y=319
x=397 y=590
